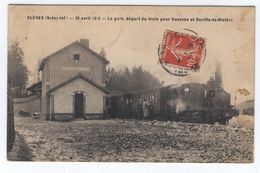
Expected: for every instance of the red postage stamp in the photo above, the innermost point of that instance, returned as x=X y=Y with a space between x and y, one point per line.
x=182 y=52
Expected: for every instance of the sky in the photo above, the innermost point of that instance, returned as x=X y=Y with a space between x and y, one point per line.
x=134 y=43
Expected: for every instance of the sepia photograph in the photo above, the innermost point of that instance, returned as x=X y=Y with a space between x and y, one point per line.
x=129 y=83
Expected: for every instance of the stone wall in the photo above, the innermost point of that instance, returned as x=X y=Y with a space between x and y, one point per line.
x=69 y=117
x=93 y=116
x=28 y=104
x=62 y=117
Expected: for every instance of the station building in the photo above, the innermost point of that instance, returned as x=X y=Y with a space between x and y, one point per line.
x=73 y=83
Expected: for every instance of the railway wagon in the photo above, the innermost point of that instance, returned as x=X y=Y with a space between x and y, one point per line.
x=189 y=102
x=130 y=105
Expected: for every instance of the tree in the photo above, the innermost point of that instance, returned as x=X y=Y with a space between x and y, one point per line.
x=103 y=52
x=35 y=75
x=17 y=71
x=125 y=80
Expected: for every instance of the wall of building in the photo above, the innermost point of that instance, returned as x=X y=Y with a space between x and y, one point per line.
x=27 y=104
x=60 y=68
x=64 y=67
x=45 y=87
x=63 y=98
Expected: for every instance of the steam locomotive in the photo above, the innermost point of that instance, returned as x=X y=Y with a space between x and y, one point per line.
x=190 y=102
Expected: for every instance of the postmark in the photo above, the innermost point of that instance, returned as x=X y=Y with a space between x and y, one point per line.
x=181 y=52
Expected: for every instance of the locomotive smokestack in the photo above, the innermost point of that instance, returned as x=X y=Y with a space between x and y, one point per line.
x=218 y=75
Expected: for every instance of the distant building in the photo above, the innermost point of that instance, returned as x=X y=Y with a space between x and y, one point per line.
x=248 y=107
x=73 y=83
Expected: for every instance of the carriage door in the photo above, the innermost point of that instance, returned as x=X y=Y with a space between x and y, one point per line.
x=79 y=105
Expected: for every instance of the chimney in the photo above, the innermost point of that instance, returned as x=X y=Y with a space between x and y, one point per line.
x=84 y=42
x=218 y=75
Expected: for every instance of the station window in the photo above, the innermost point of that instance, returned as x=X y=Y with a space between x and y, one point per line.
x=76 y=57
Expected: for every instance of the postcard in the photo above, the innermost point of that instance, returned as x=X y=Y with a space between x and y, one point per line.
x=104 y=83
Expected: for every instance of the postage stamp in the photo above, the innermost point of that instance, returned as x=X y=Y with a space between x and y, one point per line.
x=182 y=52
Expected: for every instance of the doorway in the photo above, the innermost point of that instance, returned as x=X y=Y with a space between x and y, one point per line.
x=79 y=105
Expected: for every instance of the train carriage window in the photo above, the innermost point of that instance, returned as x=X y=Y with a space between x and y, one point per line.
x=205 y=93
x=130 y=100
x=127 y=101
x=211 y=92
x=186 y=90
x=152 y=97
x=174 y=94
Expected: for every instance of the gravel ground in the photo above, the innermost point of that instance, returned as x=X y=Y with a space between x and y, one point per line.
x=135 y=141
